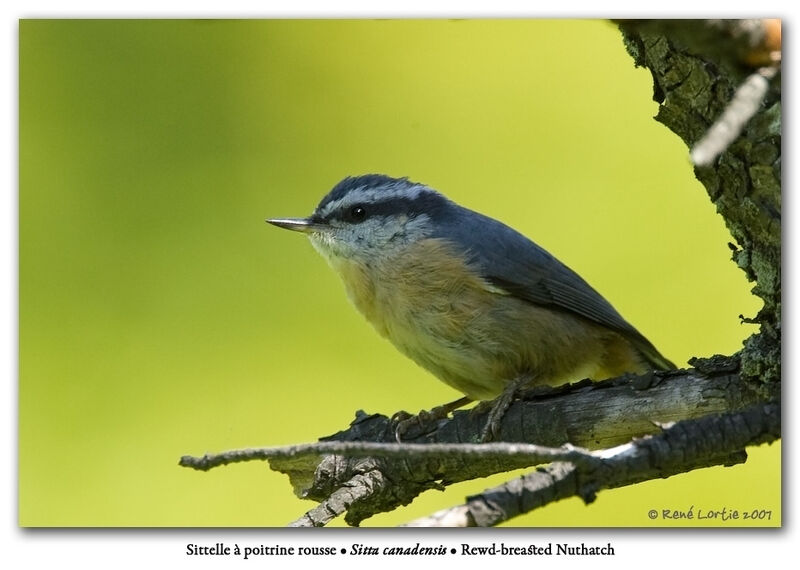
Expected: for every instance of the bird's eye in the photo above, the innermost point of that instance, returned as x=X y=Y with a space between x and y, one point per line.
x=357 y=213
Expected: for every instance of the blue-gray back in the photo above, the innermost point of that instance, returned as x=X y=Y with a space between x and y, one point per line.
x=517 y=265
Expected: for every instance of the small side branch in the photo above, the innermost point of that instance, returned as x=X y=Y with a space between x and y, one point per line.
x=359 y=488
x=518 y=496
x=726 y=129
x=527 y=454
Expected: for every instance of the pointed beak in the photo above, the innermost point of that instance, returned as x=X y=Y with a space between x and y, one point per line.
x=295 y=224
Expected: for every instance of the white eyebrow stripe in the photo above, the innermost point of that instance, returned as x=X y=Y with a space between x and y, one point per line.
x=368 y=195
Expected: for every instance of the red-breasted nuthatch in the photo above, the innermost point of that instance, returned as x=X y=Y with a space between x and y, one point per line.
x=476 y=303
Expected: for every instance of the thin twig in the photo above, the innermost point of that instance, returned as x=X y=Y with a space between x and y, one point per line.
x=530 y=453
x=744 y=104
x=358 y=488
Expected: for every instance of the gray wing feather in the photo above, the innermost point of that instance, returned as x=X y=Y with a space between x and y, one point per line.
x=514 y=263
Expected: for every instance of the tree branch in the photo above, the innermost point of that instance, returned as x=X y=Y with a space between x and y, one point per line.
x=687 y=445
x=363 y=471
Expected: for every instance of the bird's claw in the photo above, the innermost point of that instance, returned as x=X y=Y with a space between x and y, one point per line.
x=417 y=424
x=497 y=409
x=425 y=421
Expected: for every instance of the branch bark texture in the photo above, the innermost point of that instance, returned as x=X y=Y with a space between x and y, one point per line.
x=362 y=471
x=693 y=84
x=710 y=440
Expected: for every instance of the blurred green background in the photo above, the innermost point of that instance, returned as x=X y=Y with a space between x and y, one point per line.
x=160 y=316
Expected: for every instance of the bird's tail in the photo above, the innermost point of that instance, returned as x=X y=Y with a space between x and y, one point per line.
x=651 y=355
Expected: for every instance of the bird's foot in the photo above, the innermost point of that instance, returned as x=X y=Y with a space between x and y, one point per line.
x=498 y=408
x=414 y=425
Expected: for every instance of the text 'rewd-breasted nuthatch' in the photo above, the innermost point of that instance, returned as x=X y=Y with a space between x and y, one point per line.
x=466 y=297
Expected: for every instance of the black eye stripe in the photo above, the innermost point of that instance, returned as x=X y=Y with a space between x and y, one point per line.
x=357 y=213
x=430 y=204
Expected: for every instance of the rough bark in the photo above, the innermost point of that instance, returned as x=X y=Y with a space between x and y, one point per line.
x=708 y=440
x=362 y=471
x=745 y=183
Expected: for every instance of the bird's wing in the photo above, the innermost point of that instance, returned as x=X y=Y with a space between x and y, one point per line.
x=510 y=261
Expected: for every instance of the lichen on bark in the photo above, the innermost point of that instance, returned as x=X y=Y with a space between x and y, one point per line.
x=745 y=182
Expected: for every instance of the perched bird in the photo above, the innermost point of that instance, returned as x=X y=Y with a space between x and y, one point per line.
x=473 y=301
